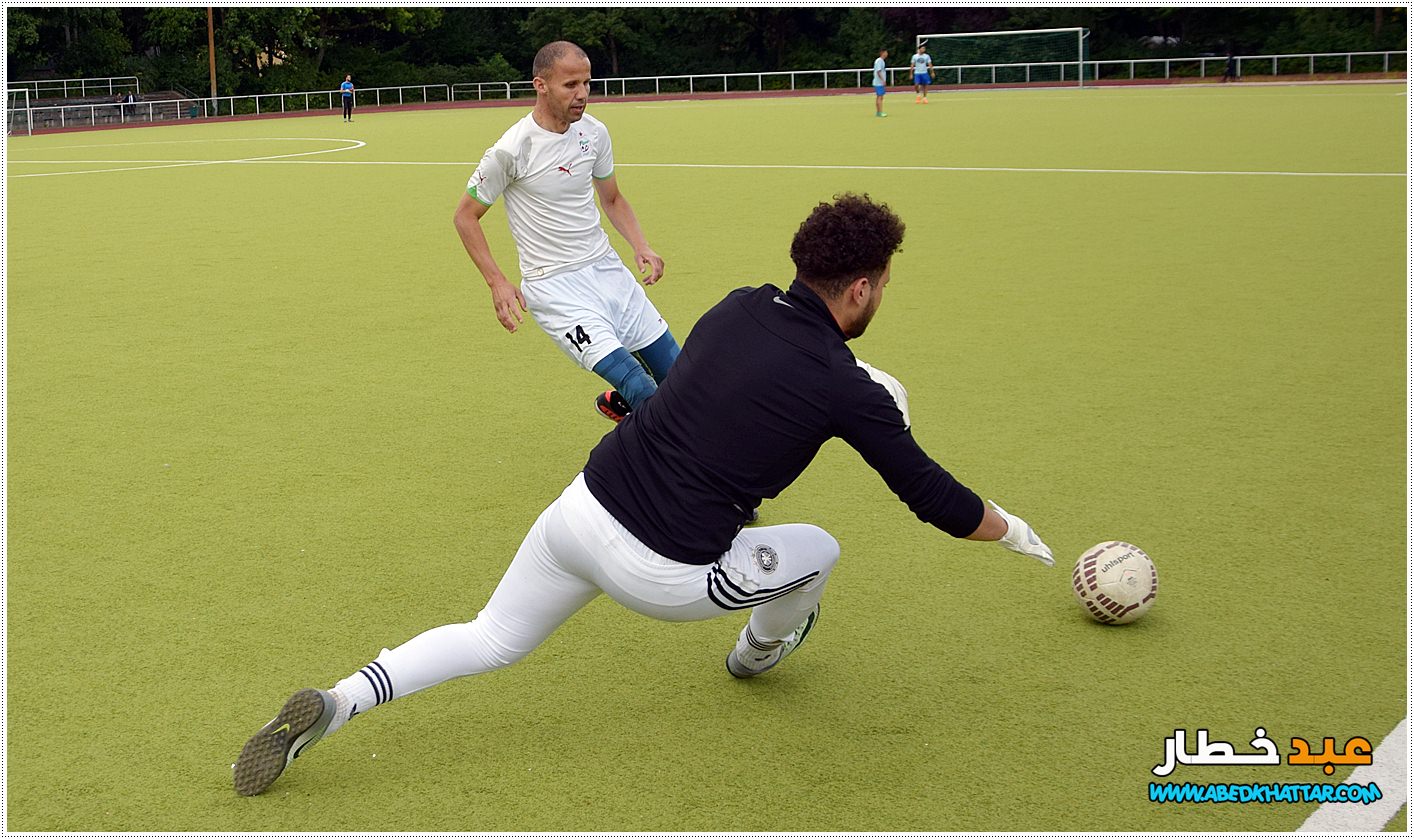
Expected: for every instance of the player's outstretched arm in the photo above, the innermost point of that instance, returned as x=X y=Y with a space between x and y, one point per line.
x=621 y=215
x=504 y=296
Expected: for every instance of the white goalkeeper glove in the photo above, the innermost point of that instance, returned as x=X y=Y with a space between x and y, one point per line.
x=1021 y=538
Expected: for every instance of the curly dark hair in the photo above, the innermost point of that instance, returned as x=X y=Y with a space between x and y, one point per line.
x=839 y=243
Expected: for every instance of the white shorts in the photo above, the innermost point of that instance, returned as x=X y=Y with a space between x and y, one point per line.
x=593 y=310
x=784 y=566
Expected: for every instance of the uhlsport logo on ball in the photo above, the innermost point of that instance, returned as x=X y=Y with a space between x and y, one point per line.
x=1115 y=582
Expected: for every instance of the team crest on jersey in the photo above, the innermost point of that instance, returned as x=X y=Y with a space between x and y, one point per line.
x=583 y=144
x=766 y=558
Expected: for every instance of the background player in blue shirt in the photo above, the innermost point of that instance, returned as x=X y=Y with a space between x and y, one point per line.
x=880 y=80
x=348 y=89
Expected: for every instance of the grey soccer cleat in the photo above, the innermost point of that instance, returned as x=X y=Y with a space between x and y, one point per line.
x=299 y=725
x=752 y=658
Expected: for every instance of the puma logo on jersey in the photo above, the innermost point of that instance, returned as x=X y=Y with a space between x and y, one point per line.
x=565 y=170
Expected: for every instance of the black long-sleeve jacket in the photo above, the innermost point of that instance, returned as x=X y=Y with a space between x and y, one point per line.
x=762 y=382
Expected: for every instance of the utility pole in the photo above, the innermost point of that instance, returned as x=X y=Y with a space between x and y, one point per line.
x=211 y=50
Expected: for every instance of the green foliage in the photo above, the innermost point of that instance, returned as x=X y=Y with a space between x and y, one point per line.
x=98 y=45
x=22 y=30
x=264 y=48
x=1332 y=29
x=862 y=33
x=270 y=47
x=494 y=69
x=175 y=27
x=611 y=32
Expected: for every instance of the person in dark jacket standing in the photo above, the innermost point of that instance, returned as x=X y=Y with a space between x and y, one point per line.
x=656 y=519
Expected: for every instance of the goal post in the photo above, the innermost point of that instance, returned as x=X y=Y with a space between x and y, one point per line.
x=1018 y=56
x=19 y=116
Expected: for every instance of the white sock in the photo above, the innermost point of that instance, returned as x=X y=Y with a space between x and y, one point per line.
x=365 y=689
x=342 y=706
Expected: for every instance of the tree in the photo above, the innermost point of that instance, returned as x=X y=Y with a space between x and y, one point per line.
x=388 y=30
x=1326 y=29
x=22 y=31
x=613 y=30
x=269 y=47
x=860 y=36
x=94 y=43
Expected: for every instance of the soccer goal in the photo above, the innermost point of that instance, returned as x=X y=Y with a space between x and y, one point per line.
x=1021 y=56
x=19 y=118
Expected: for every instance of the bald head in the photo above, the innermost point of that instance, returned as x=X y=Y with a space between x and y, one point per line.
x=550 y=55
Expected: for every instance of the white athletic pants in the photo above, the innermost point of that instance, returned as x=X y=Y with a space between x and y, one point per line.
x=575 y=550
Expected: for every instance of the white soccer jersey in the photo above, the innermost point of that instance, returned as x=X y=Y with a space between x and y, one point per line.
x=548 y=182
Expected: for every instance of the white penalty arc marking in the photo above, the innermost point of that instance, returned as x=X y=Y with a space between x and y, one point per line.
x=1389 y=769
x=353 y=144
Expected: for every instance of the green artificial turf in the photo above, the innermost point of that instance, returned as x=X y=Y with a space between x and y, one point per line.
x=262 y=423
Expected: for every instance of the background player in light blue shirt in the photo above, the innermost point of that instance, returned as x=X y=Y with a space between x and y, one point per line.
x=922 y=74
x=880 y=79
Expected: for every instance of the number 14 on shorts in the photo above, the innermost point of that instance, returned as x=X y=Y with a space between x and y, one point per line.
x=578 y=338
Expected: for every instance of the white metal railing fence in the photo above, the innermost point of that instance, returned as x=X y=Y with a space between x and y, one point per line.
x=501 y=90
x=155 y=110
x=1023 y=72
x=1287 y=64
x=52 y=88
x=63 y=116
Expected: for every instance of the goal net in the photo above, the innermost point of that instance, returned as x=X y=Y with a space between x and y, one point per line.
x=1024 y=56
x=19 y=119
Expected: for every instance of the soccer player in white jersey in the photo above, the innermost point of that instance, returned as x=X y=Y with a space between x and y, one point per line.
x=548 y=167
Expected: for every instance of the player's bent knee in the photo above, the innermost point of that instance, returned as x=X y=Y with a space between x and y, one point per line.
x=491 y=647
x=823 y=548
x=659 y=356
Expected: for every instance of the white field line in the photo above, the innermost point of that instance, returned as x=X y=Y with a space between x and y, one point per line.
x=173 y=161
x=1039 y=169
x=861 y=168
x=355 y=144
x=282 y=158
x=1390 y=770
x=202 y=141
x=288 y=158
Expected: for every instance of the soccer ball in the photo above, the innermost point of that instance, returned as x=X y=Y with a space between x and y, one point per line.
x=1115 y=582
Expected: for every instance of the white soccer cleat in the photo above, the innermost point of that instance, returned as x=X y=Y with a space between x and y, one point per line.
x=300 y=724
x=752 y=657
